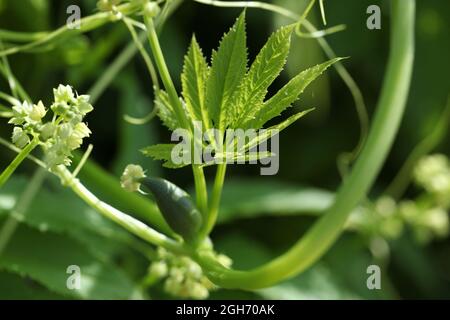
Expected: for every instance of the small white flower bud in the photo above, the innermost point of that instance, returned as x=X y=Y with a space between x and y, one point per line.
x=20 y=138
x=433 y=173
x=131 y=176
x=60 y=108
x=151 y=9
x=159 y=269
x=64 y=131
x=47 y=131
x=437 y=220
x=385 y=206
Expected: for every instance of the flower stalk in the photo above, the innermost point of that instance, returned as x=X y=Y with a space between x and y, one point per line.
x=129 y=223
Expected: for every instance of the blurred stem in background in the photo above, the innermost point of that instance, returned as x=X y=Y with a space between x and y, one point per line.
x=400 y=183
x=21 y=207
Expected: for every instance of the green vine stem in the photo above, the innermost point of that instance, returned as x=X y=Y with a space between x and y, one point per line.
x=17 y=161
x=129 y=223
x=324 y=233
x=86 y=24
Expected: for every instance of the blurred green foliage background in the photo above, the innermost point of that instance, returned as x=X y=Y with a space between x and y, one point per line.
x=60 y=230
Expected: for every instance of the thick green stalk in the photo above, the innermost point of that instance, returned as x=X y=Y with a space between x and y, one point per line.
x=215 y=200
x=201 y=190
x=199 y=177
x=325 y=232
x=17 y=161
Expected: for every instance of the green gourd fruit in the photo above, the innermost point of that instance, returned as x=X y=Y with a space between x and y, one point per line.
x=175 y=205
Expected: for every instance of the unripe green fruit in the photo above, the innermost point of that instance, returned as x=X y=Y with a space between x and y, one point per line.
x=176 y=206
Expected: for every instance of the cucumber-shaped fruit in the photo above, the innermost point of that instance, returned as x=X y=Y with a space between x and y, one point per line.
x=175 y=205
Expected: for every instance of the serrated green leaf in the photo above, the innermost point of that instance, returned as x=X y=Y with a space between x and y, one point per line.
x=193 y=80
x=229 y=65
x=158 y=151
x=264 y=70
x=165 y=111
x=162 y=152
x=270 y=132
x=45 y=257
x=288 y=94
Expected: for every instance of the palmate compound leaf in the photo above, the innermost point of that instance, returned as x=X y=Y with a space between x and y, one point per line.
x=264 y=70
x=227 y=96
x=193 y=81
x=228 y=68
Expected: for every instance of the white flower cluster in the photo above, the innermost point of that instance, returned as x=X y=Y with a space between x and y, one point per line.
x=382 y=219
x=427 y=215
x=426 y=221
x=59 y=136
x=433 y=174
x=28 y=120
x=183 y=277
